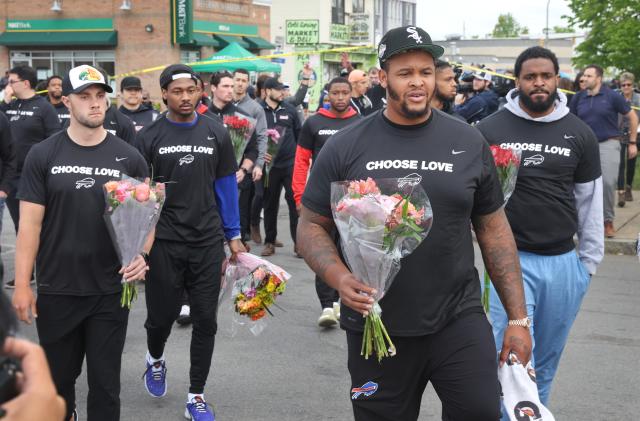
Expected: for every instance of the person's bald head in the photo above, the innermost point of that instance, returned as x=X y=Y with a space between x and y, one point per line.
x=360 y=82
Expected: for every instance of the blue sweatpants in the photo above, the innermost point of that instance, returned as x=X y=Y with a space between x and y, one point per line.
x=554 y=287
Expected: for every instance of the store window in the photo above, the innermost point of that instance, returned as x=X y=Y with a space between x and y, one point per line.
x=47 y=63
x=189 y=56
x=337 y=11
x=357 y=6
x=408 y=14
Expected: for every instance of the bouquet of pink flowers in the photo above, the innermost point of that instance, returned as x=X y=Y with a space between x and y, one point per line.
x=379 y=223
x=273 y=145
x=507 y=164
x=133 y=209
x=254 y=284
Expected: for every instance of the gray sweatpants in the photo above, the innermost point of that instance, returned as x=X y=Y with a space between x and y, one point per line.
x=609 y=163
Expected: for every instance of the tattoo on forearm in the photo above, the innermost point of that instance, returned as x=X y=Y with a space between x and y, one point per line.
x=316 y=244
x=501 y=259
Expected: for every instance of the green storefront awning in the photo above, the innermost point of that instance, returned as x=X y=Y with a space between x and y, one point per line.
x=206 y=40
x=58 y=38
x=228 y=39
x=258 y=43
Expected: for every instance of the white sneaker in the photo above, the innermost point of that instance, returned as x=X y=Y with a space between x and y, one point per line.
x=327 y=318
x=336 y=310
x=185 y=316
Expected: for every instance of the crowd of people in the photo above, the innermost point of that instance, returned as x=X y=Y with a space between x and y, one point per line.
x=578 y=150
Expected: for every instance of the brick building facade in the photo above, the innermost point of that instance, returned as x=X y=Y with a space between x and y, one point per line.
x=122 y=39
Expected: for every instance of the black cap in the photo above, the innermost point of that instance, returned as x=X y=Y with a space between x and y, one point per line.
x=130 y=82
x=273 y=83
x=81 y=77
x=406 y=38
x=176 y=71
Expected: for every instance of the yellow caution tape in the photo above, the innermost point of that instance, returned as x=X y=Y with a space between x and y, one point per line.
x=232 y=60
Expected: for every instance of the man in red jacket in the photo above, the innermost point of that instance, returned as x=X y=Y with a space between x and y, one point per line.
x=313 y=135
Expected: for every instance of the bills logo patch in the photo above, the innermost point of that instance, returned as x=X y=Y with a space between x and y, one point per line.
x=367 y=389
x=187 y=159
x=87 y=183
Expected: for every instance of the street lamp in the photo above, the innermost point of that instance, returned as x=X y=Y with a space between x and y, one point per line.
x=546 y=29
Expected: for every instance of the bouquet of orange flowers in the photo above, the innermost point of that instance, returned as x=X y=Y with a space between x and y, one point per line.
x=255 y=285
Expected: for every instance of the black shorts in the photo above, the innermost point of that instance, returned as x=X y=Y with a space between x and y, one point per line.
x=460 y=361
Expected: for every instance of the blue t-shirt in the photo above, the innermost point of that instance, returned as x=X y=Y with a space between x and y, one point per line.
x=600 y=111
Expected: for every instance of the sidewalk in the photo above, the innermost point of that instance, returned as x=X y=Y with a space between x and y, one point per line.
x=627 y=225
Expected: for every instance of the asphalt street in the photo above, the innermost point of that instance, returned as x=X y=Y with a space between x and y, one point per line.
x=297 y=371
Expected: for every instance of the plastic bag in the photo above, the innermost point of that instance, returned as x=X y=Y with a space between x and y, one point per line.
x=520 y=393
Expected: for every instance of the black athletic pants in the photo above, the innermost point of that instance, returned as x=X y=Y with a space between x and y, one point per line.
x=174 y=267
x=72 y=327
x=326 y=294
x=627 y=168
x=279 y=178
x=459 y=361
x=257 y=201
x=246 y=196
x=13 y=204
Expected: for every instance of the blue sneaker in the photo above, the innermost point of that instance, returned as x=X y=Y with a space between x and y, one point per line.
x=199 y=410
x=155 y=379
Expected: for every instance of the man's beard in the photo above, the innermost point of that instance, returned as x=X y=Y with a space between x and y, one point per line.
x=538 y=106
x=408 y=113
x=443 y=99
x=89 y=123
x=56 y=95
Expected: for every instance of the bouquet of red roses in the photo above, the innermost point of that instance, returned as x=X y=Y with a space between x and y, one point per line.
x=379 y=223
x=240 y=129
x=133 y=209
x=507 y=164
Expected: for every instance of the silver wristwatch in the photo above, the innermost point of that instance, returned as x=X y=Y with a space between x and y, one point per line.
x=526 y=322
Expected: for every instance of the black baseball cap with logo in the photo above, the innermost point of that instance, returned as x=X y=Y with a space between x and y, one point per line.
x=81 y=77
x=130 y=82
x=406 y=38
x=273 y=83
x=176 y=71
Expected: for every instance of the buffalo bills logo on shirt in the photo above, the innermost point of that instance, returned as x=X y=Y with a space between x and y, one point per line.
x=187 y=159
x=87 y=183
x=367 y=389
x=533 y=160
x=410 y=180
x=527 y=411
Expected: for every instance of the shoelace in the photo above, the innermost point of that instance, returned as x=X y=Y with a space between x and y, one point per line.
x=157 y=371
x=200 y=405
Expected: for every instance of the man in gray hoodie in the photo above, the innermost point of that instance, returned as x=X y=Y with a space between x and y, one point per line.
x=558 y=194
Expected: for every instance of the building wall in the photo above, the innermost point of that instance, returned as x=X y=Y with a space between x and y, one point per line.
x=137 y=49
x=501 y=53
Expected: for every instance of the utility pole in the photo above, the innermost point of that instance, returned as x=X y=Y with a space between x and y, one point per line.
x=546 y=29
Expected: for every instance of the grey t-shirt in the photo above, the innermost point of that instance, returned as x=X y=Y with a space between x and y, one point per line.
x=438 y=281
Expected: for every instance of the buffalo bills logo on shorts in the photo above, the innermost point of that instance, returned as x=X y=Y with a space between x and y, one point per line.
x=367 y=389
x=527 y=411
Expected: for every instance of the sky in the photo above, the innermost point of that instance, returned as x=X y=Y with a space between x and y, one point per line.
x=478 y=17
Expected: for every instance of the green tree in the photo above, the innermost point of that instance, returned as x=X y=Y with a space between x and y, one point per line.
x=613 y=31
x=562 y=30
x=508 y=27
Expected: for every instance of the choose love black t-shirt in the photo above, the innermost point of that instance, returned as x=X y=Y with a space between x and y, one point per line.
x=555 y=156
x=438 y=280
x=76 y=255
x=320 y=127
x=189 y=158
x=32 y=120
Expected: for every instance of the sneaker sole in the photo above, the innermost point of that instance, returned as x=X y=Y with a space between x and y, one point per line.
x=151 y=394
x=188 y=416
x=327 y=321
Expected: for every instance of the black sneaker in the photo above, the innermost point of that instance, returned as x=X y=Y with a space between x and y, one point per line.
x=185 y=316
